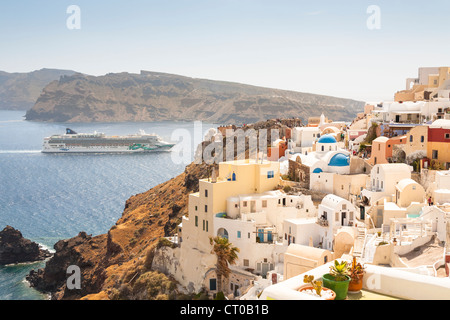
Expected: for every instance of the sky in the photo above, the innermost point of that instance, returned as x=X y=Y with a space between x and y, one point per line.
x=337 y=48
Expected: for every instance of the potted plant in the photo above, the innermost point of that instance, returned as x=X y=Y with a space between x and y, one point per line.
x=338 y=279
x=315 y=288
x=356 y=273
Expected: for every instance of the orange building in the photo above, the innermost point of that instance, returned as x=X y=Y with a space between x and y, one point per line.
x=280 y=147
x=382 y=149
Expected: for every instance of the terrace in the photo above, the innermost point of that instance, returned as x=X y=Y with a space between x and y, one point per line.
x=379 y=283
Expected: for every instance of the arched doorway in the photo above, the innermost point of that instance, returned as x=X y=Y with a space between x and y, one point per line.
x=223 y=233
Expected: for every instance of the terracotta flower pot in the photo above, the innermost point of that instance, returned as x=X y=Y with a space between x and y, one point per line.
x=323 y=289
x=355 y=286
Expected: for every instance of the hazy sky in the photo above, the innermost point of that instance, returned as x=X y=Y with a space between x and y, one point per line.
x=322 y=47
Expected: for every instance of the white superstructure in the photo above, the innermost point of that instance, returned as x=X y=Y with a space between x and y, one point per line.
x=73 y=142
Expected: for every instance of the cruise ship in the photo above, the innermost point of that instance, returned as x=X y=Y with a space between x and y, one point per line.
x=73 y=142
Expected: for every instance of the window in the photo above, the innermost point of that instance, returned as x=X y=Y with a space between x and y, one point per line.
x=325 y=259
x=206 y=208
x=248 y=235
x=336 y=216
x=206 y=193
x=196 y=208
x=244 y=204
x=447 y=136
x=196 y=221
x=344 y=207
x=246 y=263
x=206 y=225
x=239 y=234
x=270 y=174
x=435 y=154
x=411 y=138
x=203 y=225
x=264 y=203
x=323 y=148
x=422 y=139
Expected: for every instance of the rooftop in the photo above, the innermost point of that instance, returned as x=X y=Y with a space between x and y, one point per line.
x=328 y=138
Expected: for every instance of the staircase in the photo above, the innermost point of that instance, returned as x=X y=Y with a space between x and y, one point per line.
x=359 y=242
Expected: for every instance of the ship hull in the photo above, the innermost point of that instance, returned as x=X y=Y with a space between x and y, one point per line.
x=102 y=150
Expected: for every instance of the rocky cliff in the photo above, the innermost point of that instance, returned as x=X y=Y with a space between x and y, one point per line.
x=19 y=91
x=14 y=248
x=152 y=96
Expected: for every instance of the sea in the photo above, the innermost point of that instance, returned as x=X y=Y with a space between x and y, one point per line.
x=49 y=197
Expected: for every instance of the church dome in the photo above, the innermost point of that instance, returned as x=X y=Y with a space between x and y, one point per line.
x=339 y=160
x=328 y=138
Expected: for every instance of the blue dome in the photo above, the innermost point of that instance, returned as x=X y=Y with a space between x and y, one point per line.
x=340 y=160
x=317 y=170
x=328 y=138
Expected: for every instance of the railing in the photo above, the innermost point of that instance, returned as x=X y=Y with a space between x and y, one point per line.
x=322 y=222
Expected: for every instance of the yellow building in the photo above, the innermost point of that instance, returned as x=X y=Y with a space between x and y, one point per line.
x=438 y=146
x=426 y=86
x=235 y=178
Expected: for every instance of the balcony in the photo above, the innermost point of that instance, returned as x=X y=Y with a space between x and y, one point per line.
x=322 y=222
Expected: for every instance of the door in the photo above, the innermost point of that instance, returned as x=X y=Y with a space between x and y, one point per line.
x=344 y=219
x=265 y=269
x=397 y=118
x=212 y=284
x=379 y=218
x=269 y=236
x=284 y=202
x=261 y=235
x=252 y=206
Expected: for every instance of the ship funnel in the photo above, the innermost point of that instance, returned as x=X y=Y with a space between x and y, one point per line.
x=70 y=131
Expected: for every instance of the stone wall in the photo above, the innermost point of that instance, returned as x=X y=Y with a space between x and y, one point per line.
x=299 y=172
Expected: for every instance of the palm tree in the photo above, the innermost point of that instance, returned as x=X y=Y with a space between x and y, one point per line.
x=226 y=254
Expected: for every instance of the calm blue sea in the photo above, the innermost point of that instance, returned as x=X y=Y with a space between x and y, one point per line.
x=53 y=197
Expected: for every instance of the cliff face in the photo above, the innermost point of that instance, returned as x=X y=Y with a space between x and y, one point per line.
x=19 y=91
x=14 y=248
x=115 y=265
x=152 y=96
